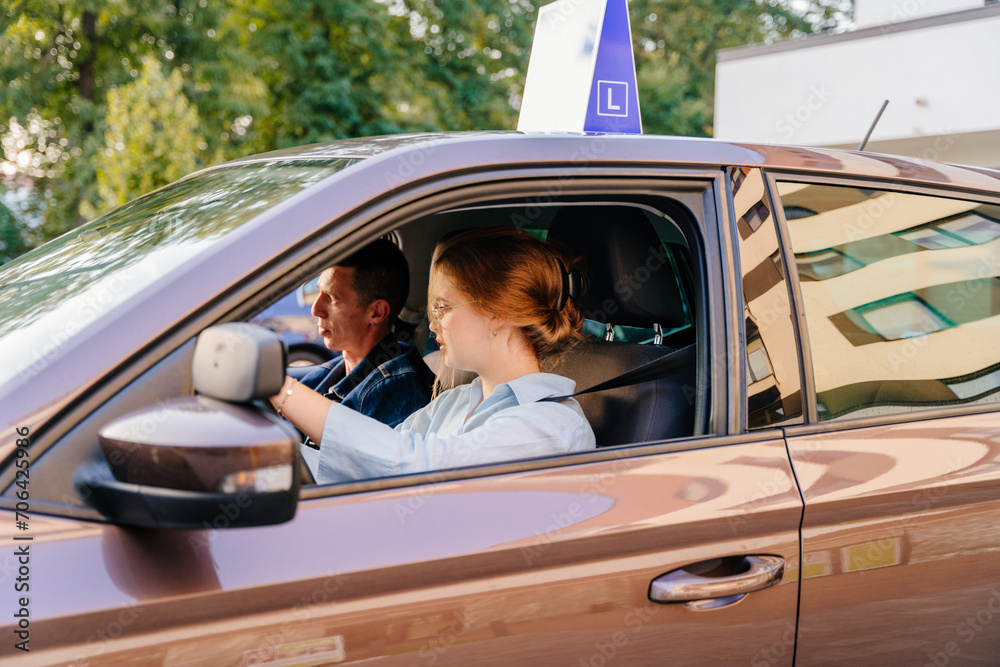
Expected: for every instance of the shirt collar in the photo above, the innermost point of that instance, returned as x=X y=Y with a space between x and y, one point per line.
x=526 y=389
x=358 y=374
x=536 y=386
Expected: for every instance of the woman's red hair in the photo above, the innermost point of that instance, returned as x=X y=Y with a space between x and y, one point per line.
x=517 y=278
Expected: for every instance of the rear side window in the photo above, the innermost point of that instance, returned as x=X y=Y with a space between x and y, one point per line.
x=901 y=297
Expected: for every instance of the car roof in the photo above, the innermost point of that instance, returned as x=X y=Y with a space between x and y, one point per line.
x=654 y=149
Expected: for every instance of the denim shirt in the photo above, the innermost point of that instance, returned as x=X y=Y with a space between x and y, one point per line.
x=388 y=385
x=457 y=429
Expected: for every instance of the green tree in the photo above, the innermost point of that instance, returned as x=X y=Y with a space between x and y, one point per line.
x=61 y=57
x=151 y=138
x=328 y=76
x=210 y=44
x=468 y=63
x=433 y=65
x=266 y=74
x=12 y=235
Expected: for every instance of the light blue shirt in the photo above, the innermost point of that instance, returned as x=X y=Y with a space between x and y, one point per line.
x=456 y=429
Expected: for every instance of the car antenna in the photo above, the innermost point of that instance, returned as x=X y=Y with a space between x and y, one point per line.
x=864 y=142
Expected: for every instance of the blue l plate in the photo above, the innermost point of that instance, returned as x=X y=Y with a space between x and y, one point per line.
x=614 y=100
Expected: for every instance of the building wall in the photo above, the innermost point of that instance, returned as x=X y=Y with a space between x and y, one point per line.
x=869 y=13
x=941 y=75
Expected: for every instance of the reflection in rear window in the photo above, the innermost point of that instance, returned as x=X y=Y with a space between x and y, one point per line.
x=901 y=294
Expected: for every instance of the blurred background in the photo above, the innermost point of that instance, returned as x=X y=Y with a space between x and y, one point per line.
x=104 y=100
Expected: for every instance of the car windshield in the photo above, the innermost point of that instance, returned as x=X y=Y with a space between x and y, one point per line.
x=50 y=294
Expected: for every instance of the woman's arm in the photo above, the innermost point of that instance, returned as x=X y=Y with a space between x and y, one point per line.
x=357 y=447
x=303 y=407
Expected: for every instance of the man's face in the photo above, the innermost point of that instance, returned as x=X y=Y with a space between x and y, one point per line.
x=342 y=321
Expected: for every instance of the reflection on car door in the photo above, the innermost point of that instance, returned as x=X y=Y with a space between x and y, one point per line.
x=535 y=567
x=901 y=529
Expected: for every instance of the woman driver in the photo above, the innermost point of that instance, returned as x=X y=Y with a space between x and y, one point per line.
x=499 y=304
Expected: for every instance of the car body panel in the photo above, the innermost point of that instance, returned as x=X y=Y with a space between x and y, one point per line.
x=902 y=528
x=365 y=566
x=901 y=504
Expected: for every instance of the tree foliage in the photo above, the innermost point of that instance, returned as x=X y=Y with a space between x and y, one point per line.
x=107 y=99
x=151 y=137
x=12 y=240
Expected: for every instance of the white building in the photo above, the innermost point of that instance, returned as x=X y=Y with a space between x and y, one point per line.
x=936 y=61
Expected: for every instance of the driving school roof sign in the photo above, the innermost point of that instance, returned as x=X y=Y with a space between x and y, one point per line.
x=581 y=75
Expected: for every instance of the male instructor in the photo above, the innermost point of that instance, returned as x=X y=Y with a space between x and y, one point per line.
x=358 y=301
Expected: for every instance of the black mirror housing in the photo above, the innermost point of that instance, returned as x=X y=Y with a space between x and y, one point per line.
x=193 y=462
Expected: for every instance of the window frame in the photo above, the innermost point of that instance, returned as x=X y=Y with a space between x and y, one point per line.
x=340 y=236
x=621 y=188
x=740 y=324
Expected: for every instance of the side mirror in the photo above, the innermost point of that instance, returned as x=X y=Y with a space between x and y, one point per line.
x=238 y=362
x=193 y=461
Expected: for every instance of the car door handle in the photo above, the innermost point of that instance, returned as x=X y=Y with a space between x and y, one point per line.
x=717 y=582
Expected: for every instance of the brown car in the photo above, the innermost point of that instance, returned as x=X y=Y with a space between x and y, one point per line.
x=814 y=477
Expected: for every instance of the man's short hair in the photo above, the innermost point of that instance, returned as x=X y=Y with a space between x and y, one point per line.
x=380 y=272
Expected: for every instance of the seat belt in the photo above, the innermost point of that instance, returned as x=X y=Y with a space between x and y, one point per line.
x=651 y=370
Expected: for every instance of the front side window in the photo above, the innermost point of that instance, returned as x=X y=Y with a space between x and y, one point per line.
x=901 y=297
x=637 y=262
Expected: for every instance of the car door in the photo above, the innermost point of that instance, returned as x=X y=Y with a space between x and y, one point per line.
x=542 y=567
x=540 y=562
x=900 y=471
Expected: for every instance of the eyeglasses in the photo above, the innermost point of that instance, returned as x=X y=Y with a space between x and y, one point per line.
x=437 y=312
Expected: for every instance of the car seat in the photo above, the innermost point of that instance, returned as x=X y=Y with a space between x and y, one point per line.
x=631 y=283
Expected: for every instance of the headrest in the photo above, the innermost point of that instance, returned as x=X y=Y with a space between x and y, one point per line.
x=632 y=282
